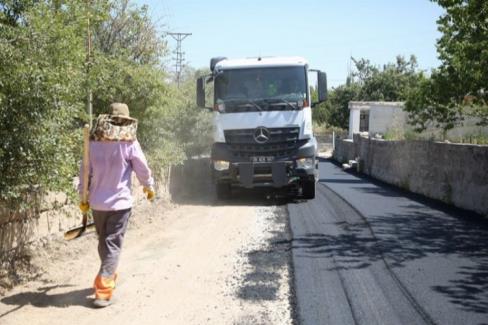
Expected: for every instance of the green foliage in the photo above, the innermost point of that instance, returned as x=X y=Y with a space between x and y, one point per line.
x=392 y=82
x=12 y=11
x=458 y=87
x=126 y=68
x=194 y=125
x=335 y=110
x=176 y=129
x=129 y=32
x=40 y=73
x=126 y=60
x=395 y=133
x=44 y=82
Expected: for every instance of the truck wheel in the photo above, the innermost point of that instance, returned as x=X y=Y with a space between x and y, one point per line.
x=223 y=191
x=308 y=189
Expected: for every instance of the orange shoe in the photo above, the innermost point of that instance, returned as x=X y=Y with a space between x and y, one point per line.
x=104 y=287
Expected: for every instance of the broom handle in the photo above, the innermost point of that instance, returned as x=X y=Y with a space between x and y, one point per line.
x=86 y=163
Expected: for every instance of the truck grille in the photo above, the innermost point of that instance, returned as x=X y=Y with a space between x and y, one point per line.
x=282 y=142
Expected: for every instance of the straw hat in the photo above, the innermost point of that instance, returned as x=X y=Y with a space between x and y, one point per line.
x=119 y=109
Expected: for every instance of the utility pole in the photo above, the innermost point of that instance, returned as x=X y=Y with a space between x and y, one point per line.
x=179 y=37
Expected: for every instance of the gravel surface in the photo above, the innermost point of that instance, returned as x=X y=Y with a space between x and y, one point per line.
x=223 y=263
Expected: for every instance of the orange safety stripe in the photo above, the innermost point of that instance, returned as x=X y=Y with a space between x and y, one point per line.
x=104 y=287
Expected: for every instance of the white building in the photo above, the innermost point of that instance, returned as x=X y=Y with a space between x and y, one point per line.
x=376 y=117
x=382 y=117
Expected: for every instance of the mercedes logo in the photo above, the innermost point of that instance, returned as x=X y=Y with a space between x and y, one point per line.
x=261 y=135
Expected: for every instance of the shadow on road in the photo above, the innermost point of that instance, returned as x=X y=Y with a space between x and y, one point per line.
x=420 y=230
x=42 y=298
x=420 y=234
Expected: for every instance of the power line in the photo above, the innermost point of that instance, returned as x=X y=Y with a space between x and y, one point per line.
x=178 y=37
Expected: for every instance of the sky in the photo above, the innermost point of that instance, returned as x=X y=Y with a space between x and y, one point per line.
x=325 y=32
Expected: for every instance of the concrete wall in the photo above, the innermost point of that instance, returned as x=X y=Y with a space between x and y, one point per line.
x=344 y=150
x=454 y=173
x=383 y=118
x=463 y=132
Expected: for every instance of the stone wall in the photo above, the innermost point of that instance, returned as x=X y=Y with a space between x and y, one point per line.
x=454 y=173
x=49 y=216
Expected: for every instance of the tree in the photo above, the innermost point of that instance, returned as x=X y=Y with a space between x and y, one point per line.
x=128 y=68
x=43 y=81
x=41 y=68
x=392 y=82
x=458 y=87
x=335 y=111
x=127 y=59
x=177 y=129
x=12 y=11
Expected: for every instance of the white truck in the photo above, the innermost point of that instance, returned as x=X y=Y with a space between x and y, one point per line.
x=263 y=133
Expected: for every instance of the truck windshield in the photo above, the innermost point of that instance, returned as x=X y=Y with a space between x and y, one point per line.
x=261 y=89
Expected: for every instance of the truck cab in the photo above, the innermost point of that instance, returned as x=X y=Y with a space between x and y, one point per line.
x=262 y=119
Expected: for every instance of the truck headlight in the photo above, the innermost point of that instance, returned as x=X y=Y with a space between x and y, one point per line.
x=221 y=165
x=305 y=163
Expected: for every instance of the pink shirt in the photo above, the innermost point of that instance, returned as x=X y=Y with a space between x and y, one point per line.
x=111 y=166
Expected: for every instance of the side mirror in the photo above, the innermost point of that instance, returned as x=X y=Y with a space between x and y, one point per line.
x=214 y=61
x=322 y=86
x=201 y=92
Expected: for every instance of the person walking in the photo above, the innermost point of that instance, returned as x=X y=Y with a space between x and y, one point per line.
x=114 y=154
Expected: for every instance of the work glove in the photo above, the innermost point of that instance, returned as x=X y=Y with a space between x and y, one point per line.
x=149 y=191
x=84 y=207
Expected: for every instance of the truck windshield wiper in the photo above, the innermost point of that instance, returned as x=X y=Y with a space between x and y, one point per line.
x=244 y=102
x=281 y=101
x=256 y=106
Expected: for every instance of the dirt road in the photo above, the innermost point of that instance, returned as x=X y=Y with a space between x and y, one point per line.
x=188 y=264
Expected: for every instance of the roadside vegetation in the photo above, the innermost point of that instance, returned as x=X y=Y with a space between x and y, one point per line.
x=368 y=82
x=442 y=98
x=45 y=74
x=44 y=80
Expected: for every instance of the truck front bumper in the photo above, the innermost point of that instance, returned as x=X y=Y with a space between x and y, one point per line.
x=277 y=173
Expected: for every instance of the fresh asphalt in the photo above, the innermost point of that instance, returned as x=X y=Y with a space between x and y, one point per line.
x=367 y=253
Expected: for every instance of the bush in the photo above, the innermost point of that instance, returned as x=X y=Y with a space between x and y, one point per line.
x=41 y=69
x=43 y=87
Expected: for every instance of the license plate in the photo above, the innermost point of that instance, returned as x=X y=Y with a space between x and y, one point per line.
x=262 y=159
